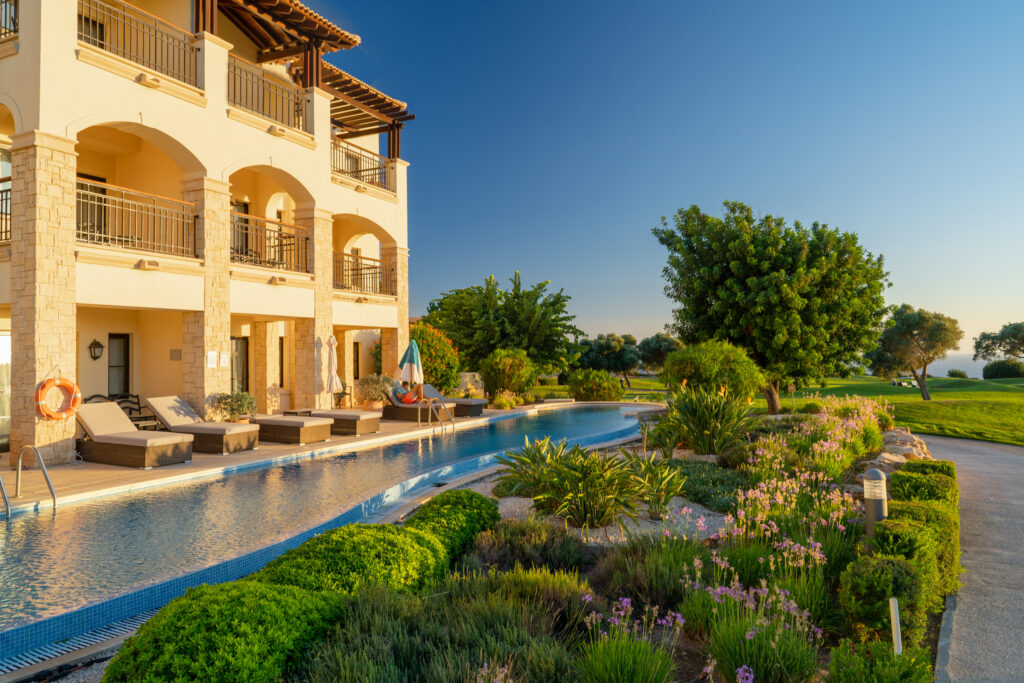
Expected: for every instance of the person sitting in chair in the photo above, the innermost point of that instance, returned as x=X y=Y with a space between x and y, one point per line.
x=410 y=395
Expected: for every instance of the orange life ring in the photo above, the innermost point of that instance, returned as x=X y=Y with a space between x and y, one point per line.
x=69 y=387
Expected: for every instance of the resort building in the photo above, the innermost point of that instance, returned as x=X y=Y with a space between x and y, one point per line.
x=191 y=201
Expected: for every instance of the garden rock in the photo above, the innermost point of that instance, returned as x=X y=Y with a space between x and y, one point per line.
x=886 y=462
x=855 y=490
x=900 y=441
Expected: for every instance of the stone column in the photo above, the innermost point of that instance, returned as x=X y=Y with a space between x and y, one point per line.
x=346 y=370
x=267 y=366
x=395 y=340
x=43 y=311
x=309 y=387
x=206 y=334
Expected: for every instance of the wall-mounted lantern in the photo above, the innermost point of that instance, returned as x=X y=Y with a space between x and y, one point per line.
x=95 y=349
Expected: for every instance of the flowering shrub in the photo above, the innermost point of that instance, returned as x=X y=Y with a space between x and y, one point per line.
x=628 y=647
x=594 y=385
x=439 y=357
x=507 y=369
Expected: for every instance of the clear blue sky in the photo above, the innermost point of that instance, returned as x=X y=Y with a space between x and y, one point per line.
x=551 y=136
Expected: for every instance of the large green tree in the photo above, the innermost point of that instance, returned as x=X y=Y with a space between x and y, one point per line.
x=482 y=318
x=805 y=303
x=654 y=349
x=610 y=352
x=912 y=340
x=1007 y=342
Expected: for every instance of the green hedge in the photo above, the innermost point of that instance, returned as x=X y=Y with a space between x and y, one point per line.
x=241 y=631
x=944 y=525
x=874 y=662
x=917 y=486
x=864 y=591
x=914 y=542
x=455 y=518
x=946 y=467
x=343 y=559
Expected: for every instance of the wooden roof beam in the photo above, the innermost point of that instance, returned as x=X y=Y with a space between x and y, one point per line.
x=274 y=21
x=356 y=103
x=293 y=49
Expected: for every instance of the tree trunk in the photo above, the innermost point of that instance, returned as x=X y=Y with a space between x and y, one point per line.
x=625 y=376
x=771 y=394
x=922 y=383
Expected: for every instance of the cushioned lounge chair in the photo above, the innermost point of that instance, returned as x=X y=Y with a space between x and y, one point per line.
x=464 y=407
x=114 y=440
x=294 y=429
x=394 y=409
x=349 y=422
x=209 y=437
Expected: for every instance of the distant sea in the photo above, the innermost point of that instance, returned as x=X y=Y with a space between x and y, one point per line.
x=958 y=361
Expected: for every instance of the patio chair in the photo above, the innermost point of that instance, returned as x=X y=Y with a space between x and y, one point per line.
x=294 y=429
x=210 y=437
x=464 y=407
x=350 y=422
x=112 y=439
x=394 y=409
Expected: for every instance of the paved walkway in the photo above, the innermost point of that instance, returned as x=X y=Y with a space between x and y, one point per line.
x=984 y=623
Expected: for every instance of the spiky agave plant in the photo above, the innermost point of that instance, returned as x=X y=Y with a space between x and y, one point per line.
x=709 y=421
x=527 y=469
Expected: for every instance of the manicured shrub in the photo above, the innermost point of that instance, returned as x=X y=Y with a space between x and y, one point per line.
x=240 y=631
x=594 y=385
x=508 y=370
x=344 y=559
x=528 y=543
x=450 y=635
x=438 y=355
x=547 y=381
x=916 y=486
x=946 y=467
x=708 y=422
x=712 y=365
x=1003 y=369
x=650 y=570
x=455 y=518
x=959 y=374
x=864 y=591
x=874 y=661
x=914 y=542
x=944 y=523
x=613 y=660
x=709 y=485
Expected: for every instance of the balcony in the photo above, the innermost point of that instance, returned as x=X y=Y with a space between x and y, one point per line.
x=8 y=18
x=364 y=275
x=262 y=92
x=109 y=215
x=5 y=214
x=269 y=244
x=360 y=164
x=139 y=37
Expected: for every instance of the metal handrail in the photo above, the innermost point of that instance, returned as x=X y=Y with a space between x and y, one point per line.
x=8 y=18
x=363 y=165
x=116 y=216
x=269 y=244
x=262 y=92
x=363 y=274
x=5 y=214
x=17 y=479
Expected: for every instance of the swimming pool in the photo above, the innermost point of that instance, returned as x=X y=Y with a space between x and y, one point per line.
x=94 y=556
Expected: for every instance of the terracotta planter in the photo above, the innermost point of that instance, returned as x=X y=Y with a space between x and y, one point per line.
x=241 y=420
x=373 y=405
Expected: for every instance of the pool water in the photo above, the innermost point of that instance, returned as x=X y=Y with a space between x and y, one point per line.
x=50 y=564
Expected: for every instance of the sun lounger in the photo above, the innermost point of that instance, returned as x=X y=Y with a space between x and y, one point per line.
x=114 y=440
x=394 y=409
x=464 y=407
x=349 y=422
x=294 y=429
x=209 y=437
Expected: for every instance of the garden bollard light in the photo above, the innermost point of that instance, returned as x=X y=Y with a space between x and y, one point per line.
x=894 y=617
x=876 y=500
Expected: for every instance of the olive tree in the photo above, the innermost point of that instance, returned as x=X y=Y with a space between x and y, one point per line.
x=611 y=352
x=912 y=340
x=805 y=303
x=654 y=349
x=1007 y=342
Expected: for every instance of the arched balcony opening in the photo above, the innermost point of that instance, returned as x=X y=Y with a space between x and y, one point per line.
x=7 y=130
x=362 y=262
x=129 y=190
x=264 y=232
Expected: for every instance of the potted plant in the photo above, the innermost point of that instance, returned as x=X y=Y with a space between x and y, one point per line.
x=235 y=407
x=375 y=390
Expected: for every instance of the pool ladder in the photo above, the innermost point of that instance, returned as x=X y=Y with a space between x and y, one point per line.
x=17 y=480
x=432 y=412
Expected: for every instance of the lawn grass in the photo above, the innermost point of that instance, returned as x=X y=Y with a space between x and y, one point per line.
x=986 y=410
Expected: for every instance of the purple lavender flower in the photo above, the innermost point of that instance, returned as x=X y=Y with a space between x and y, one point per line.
x=744 y=674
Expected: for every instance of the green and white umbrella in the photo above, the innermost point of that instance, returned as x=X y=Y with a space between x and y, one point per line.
x=410 y=369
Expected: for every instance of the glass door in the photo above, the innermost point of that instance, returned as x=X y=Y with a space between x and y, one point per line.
x=239 y=364
x=5 y=392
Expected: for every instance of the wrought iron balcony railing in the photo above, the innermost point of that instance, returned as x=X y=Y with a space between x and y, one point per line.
x=269 y=244
x=116 y=216
x=8 y=18
x=360 y=164
x=365 y=275
x=256 y=89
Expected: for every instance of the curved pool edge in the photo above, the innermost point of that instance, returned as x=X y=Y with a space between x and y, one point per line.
x=23 y=638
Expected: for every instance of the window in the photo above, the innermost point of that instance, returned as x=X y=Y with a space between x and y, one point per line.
x=5 y=194
x=355 y=360
x=239 y=364
x=118 y=364
x=91 y=31
x=240 y=231
x=280 y=361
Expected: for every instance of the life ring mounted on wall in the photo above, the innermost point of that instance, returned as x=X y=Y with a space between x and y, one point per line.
x=67 y=386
